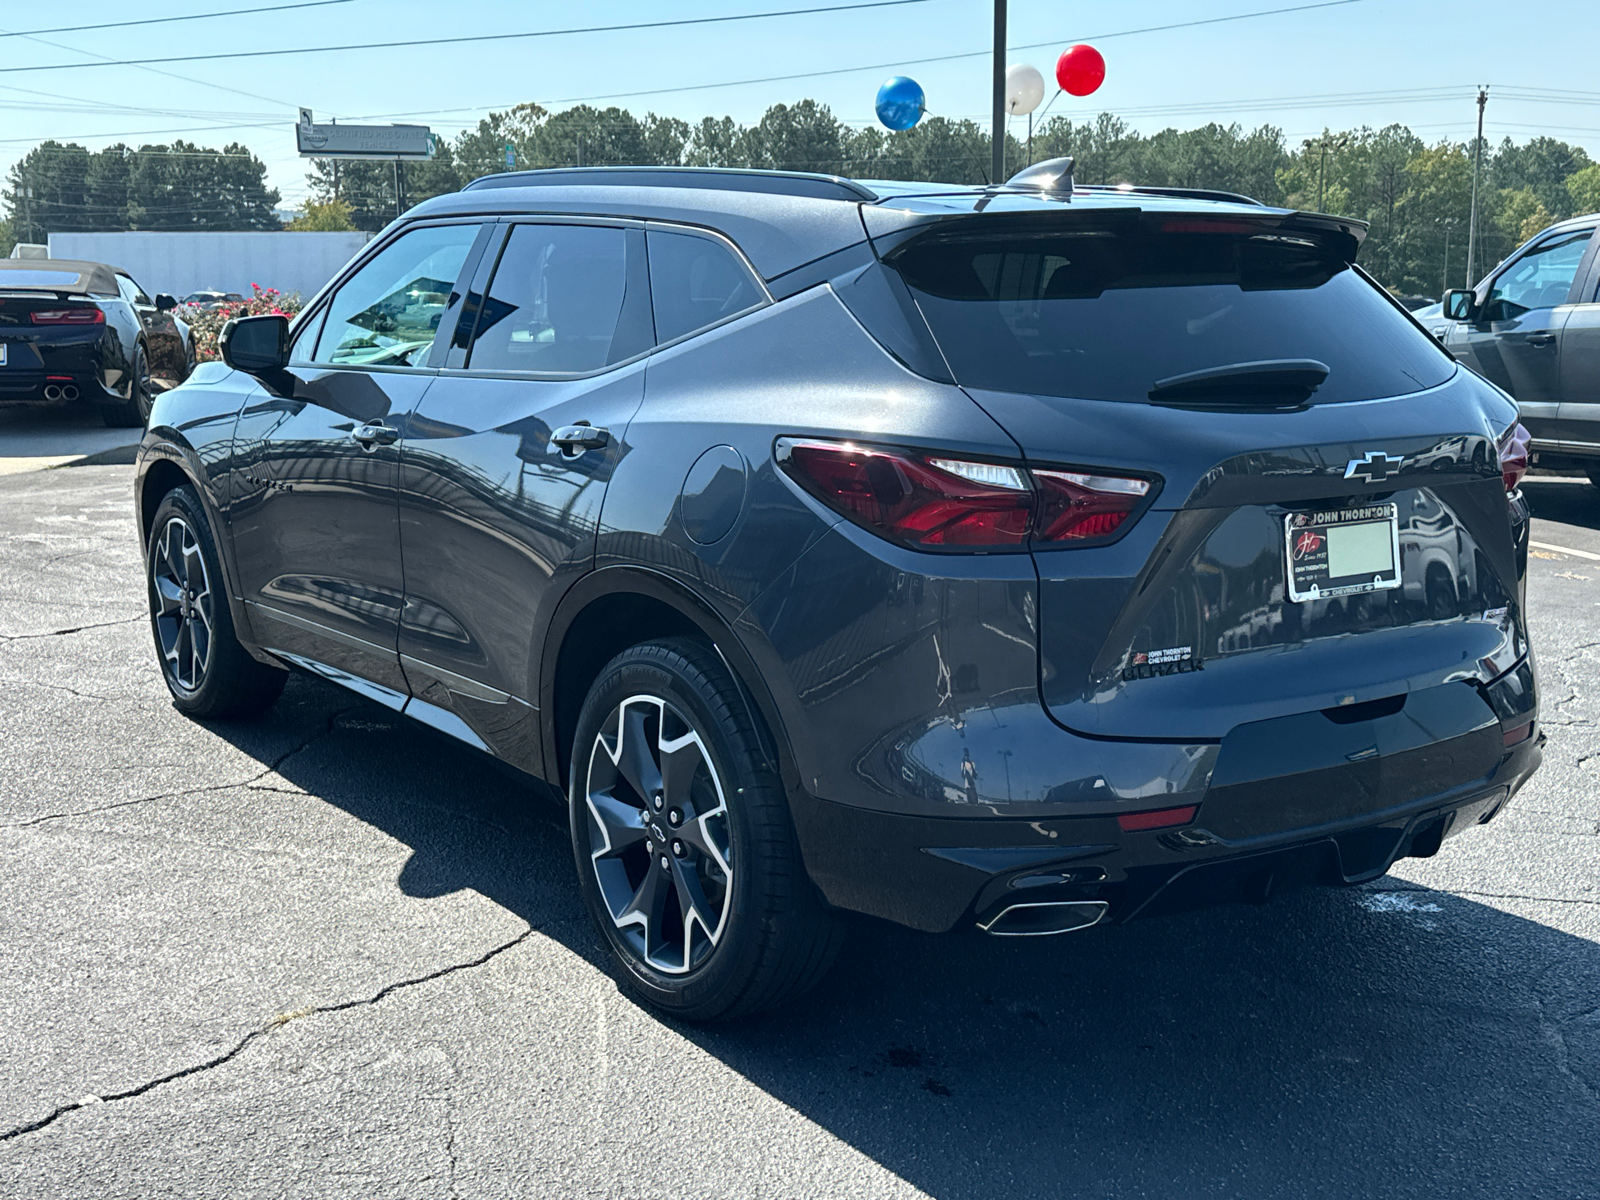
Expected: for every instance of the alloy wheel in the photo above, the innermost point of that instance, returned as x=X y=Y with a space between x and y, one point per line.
x=181 y=603
x=658 y=832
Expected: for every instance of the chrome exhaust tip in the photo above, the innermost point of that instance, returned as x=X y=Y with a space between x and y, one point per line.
x=1043 y=918
x=69 y=391
x=52 y=392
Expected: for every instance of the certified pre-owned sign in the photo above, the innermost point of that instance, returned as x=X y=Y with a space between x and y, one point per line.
x=362 y=141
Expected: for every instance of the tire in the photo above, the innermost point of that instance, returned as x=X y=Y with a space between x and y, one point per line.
x=134 y=412
x=209 y=674
x=717 y=842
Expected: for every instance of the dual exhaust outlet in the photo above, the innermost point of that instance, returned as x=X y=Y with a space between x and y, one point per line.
x=60 y=391
x=1043 y=918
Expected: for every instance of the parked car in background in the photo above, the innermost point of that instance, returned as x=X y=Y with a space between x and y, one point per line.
x=210 y=300
x=958 y=555
x=74 y=330
x=1533 y=327
x=1431 y=317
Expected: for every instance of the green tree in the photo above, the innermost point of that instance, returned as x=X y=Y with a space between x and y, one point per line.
x=332 y=216
x=1584 y=188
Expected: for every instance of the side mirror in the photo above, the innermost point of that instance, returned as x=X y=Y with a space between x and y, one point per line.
x=255 y=344
x=165 y=303
x=1460 y=304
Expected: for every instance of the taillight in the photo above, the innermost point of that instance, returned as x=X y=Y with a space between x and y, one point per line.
x=1075 y=507
x=936 y=502
x=1513 y=455
x=68 y=316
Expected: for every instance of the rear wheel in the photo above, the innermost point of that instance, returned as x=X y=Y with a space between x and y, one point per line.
x=134 y=412
x=206 y=669
x=685 y=852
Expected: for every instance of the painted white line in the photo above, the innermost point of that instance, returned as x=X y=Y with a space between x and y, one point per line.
x=1565 y=550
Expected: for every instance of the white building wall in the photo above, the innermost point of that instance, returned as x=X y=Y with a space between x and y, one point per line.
x=180 y=263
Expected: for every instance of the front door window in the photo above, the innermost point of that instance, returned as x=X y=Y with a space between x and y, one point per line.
x=1541 y=278
x=387 y=313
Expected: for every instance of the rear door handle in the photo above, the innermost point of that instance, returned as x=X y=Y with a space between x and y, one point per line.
x=1541 y=339
x=574 y=439
x=374 y=434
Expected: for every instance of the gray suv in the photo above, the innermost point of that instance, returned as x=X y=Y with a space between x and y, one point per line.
x=1533 y=327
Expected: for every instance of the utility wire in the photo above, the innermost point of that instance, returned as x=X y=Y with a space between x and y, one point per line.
x=204 y=16
x=487 y=37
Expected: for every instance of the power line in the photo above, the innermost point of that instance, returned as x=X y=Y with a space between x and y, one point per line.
x=913 y=62
x=489 y=37
x=204 y=16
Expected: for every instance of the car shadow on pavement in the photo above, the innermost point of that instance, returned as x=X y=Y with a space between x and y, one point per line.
x=1389 y=1041
x=1566 y=500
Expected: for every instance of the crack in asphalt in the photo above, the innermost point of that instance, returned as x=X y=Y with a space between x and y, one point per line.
x=264 y=1030
x=251 y=783
x=7 y=638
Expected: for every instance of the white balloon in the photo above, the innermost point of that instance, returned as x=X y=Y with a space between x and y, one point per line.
x=1024 y=89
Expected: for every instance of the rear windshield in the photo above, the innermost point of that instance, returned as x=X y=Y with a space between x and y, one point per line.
x=1105 y=314
x=58 y=280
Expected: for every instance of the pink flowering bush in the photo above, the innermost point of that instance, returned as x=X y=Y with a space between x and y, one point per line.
x=206 y=323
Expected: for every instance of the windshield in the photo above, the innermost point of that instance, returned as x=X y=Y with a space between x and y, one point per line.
x=1105 y=314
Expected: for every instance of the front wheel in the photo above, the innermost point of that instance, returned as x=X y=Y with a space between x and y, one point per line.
x=134 y=412
x=206 y=669
x=686 y=855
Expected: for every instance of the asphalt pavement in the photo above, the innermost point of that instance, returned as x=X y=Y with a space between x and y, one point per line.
x=327 y=954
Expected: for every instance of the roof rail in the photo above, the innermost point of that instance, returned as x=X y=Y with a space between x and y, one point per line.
x=1186 y=193
x=726 y=179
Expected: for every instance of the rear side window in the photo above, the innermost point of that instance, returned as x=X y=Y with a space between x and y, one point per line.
x=564 y=300
x=1105 y=314
x=695 y=282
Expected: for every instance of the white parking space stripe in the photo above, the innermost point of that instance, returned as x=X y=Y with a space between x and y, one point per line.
x=1565 y=550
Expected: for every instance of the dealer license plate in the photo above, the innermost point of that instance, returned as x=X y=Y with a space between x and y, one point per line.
x=1342 y=551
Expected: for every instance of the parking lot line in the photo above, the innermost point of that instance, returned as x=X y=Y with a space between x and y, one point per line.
x=1565 y=550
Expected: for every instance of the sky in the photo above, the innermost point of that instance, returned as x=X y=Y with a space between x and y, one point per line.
x=1342 y=65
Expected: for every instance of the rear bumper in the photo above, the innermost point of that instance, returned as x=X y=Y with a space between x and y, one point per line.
x=1268 y=821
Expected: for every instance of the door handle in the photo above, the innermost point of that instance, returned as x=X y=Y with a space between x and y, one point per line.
x=374 y=434
x=575 y=439
x=1541 y=339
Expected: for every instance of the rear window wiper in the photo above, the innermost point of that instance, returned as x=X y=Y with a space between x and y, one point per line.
x=1273 y=381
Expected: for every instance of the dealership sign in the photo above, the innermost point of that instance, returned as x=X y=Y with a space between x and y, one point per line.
x=386 y=142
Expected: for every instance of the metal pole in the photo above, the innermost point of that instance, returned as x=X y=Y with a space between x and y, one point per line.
x=1030 y=139
x=1444 y=275
x=997 y=151
x=1477 y=161
x=1322 y=173
x=397 y=187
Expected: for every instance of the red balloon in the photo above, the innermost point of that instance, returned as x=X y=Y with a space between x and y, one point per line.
x=1080 y=70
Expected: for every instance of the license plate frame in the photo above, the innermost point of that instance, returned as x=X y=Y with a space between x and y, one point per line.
x=1308 y=549
x=2 y=354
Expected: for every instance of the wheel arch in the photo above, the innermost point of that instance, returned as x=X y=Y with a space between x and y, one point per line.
x=616 y=607
x=163 y=466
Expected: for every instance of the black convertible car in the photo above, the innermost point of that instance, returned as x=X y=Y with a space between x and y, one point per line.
x=71 y=330
x=1025 y=557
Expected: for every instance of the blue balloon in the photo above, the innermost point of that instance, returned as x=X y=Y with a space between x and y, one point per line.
x=900 y=103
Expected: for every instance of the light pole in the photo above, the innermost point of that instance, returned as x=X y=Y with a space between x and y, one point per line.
x=1444 y=274
x=1325 y=143
x=997 y=150
x=1477 y=161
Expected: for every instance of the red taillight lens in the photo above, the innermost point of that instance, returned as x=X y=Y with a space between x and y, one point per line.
x=1513 y=455
x=1076 y=507
x=68 y=316
x=937 y=502
x=1161 y=818
x=923 y=502
x=1518 y=735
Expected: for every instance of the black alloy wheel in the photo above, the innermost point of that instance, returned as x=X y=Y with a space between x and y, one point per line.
x=658 y=834
x=685 y=851
x=134 y=412
x=205 y=668
x=183 y=605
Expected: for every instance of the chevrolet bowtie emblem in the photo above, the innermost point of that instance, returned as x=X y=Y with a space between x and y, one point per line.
x=1374 y=468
